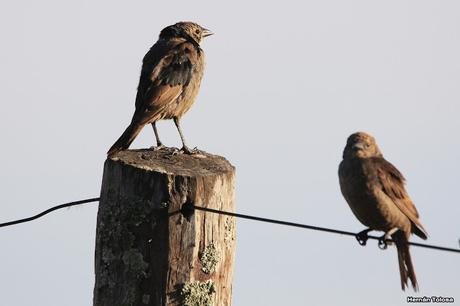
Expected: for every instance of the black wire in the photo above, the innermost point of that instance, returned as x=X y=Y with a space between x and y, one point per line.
x=188 y=208
x=316 y=228
x=48 y=211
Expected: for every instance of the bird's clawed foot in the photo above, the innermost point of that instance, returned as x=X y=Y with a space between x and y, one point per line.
x=186 y=150
x=159 y=147
x=384 y=241
x=362 y=237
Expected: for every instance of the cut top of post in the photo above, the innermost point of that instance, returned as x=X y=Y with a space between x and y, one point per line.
x=165 y=161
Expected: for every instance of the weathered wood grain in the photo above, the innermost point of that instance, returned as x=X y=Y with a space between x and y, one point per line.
x=147 y=252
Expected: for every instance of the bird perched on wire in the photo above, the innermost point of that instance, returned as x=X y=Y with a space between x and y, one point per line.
x=375 y=192
x=170 y=80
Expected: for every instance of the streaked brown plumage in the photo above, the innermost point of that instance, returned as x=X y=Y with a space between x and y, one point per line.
x=169 y=83
x=375 y=192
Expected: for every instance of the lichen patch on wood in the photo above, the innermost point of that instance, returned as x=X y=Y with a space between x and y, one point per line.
x=198 y=293
x=209 y=259
x=134 y=260
x=145 y=299
x=229 y=237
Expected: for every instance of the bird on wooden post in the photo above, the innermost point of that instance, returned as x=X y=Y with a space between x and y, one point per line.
x=170 y=80
x=375 y=192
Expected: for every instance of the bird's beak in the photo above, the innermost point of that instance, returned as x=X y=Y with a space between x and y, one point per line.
x=358 y=146
x=206 y=33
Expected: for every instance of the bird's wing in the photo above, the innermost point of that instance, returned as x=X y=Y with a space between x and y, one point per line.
x=392 y=183
x=166 y=72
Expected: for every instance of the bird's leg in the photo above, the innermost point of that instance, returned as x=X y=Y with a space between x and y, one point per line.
x=362 y=236
x=159 y=144
x=185 y=149
x=384 y=240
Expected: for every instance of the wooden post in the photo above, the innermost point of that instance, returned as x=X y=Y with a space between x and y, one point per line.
x=147 y=252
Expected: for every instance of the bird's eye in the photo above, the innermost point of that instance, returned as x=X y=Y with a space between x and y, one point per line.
x=367 y=145
x=197 y=31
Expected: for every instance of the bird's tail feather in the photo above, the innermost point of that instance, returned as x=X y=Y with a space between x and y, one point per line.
x=125 y=139
x=419 y=230
x=406 y=268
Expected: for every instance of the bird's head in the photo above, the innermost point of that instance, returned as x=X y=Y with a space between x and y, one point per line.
x=361 y=145
x=187 y=30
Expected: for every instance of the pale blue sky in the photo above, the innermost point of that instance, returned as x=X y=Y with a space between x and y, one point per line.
x=285 y=84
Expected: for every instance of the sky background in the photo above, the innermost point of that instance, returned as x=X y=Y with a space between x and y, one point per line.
x=285 y=85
